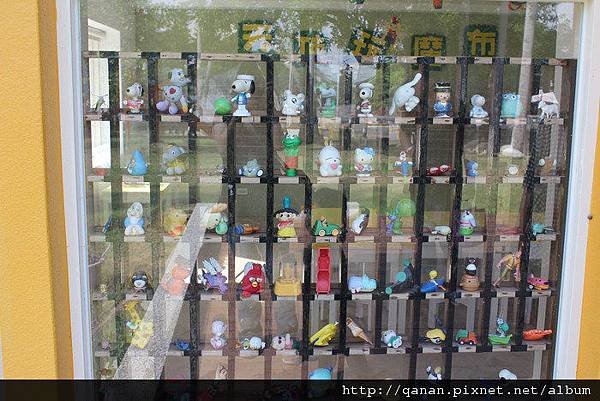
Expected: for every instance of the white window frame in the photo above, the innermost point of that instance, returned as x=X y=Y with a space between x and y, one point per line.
x=585 y=129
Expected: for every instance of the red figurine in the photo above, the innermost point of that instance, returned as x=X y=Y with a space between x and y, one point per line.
x=444 y=169
x=323 y=272
x=253 y=278
x=437 y=4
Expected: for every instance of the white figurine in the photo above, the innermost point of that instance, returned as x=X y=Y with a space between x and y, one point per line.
x=173 y=93
x=244 y=87
x=134 y=101
x=360 y=222
x=365 y=94
x=330 y=162
x=391 y=339
x=547 y=103
x=507 y=375
x=292 y=104
x=218 y=329
x=405 y=96
x=253 y=343
x=174 y=160
x=363 y=160
x=134 y=222
x=477 y=111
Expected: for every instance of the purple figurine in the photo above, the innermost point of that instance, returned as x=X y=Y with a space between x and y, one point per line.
x=211 y=276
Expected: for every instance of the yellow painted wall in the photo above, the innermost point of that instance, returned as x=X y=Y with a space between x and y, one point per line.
x=34 y=312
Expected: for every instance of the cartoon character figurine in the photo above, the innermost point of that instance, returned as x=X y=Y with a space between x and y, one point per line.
x=137 y=166
x=217 y=219
x=506 y=265
x=291 y=148
x=511 y=105
x=252 y=344
x=330 y=162
x=365 y=94
x=470 y=280
x=134 y=101
x=286 y=342
x=321 y=374
x=327 y=101
x=253 y=278
x=442 y=105
x=292 y=104
x=404 y=278
x=404 y=208
x=502 y=336
x=174 y=221
x=467 y=223
x=471 y=167
x=244 y=87
x=218 y=329
x=174 y=160
x=391 y=339
x=405 y=96
x=434 y=374
x=285 y=219
x=547 y=103
x=174 y=98
x=212 y=276
x=477 y=111
x=140 y=281
x=134 y=222
x=361 y=284
x=363 y=160
x=361 y=221
x=403 y=166
x=251 y=169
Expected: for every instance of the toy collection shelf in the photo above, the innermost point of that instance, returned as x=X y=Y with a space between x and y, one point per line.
x=116 y=177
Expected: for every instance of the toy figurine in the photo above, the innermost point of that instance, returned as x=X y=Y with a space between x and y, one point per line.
x=292 y=104
x=174 y=160
x=466 y=337
x=285 y=219
x=288 y=284
x=441 y=230
x=180 y=276
x=174 y=221
x=477 y=111
x=218 y=329
x=506 y=374
x=435 y=336
x=363 y=160
x=434 y=374
x=512 y=170
x=323 y=271
x=134 y=222
x=330 y=162
x=221 y=373
x=365 y=94
x=253 y=278
x=140 y=281
x=322 y=228
x=404 y=208
x=244 y=87
x=143 y=330
x=361 y=221
x=361 y=284
x=391 y=339
x=535 y=334
x=435 y=283
x=212 y=276
x=174 y=97
x=327 y=102
x=511 y=262
x=405 y=97
x=286 y=342
x=537 y=283
x=404 y=278
x=472 y=167
x=217 y=220
x=321 y=374
x=547 y=103
x=403 y=166
x=322 y=337
x=357 y=331
x=246 y=229
x=467 y=223
x=253 y=344
x=502 y=337
x=134 y=101
x=137 y=166
x=511 y=105
x=440 y=170
x=291 y=148
x=222 y=106
x=251 y=169
x=442 y=105
x=470 y=280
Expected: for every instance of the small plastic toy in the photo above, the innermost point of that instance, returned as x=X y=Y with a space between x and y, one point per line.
x=330 y=162
x=321 y=374
x=288 y=284
x=217 y=222
x=174 y=160
x=322 y=228
x=547 y=103
x=285 y=219
x=535 y=334
x=502 y=337
x=323 y=337
x=467 y=223
x=222 y=106
x=246 y=229
x=434 y=373
x=291 y=149
x=434 y=283
x=436 y=171
x=403 y=166
x=537 y=283
x=405 y=97
x=174 y=98
x=357 y=331
x=435 y=336
x=477 y=111
x=441 y=230
x=212 y=276
x=365 y=94
x=252 y=280
x=143 y=330
x=134 y=222
x=360 y=222
x=174 y=221
x=286 y=342
x=361 y=284
x=218 y=329
x=512 y=169
x=323 y=271
x=404 y=208
x=182 y=345
x=180 y=276
x=244 y=87
x=140 y=281
x=404 y=278
x=510 y=263
x=327 y=101
x=363 y=161
x=251 y=169
x=137 y=166
x=471 y=167
x=442 y=105
x=470 y=280
x=134 y=101
x=391 y=339
x=539 y=228
x=252 y=343
x=466 y=337
x=506 y=374
x=292 y=105
x=511 y=105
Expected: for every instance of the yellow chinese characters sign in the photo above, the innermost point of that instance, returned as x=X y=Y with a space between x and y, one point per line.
x=255 y=37
x=309 y=42
x=428 y=45
x=480 y=40
x=364 y=42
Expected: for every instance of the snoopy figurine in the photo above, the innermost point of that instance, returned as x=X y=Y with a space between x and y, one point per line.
x=244 y=87
x=365 y=94
x=134 y=101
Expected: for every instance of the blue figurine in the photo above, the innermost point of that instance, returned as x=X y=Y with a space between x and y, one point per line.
x=244 y=88
x=137 y=165
x=472 y=166
x=442 y=105
x=320 y=374
x=511 y=105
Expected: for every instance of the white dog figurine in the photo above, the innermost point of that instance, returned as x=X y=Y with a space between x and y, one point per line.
x=134 y=222
x=547 y=103
x=365 y=94
x=173 y=93
x=405 y=96
x=244 y=88
x=330 y=162
x=134 y=101
x=292 y=104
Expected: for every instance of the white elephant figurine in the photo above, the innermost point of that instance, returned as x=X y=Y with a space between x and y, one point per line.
x=405 y=96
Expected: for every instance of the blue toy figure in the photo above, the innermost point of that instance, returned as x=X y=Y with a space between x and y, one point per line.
x=472 y=166
x=442 y=105
x=137 y=165
x=320 y=374
x=361 y=284
x=511 y=105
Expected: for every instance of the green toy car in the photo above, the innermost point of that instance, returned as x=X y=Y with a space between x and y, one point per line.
x=322 y=228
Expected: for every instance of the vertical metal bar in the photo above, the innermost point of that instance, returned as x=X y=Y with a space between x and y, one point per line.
x=231 y=201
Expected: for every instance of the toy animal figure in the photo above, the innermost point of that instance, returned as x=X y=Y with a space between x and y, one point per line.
x=365 y=94
x=218 y=329
x=405 y=96
x=180 y=276
x=361 y=284
x=404 y=278
x=511 y=105
x=391 y=339
x=467 y=223
x=327 y=101
x=253 y=278
x=134 y=101
x=357 y=331
x=472 y=167
x=441 y=230
x=434 y=374
x=251 y=169
x=292 y=104
x=442 y=105
x=244 y=88
x=286 y=342
x=217 y=222
x=506 y=374
x=330 y=162
x=212 y=276
x=174 y=160
x=404 y=208
x=134 y=222
x=547 y=103
x=477 y=111
x=470 y=280
x=321 y=374
x=253 y=344
x=291 y=148
x=140 y=281
x=174 y=98
x=137 y=166
x=363 y=160
x=285 y=219
x=361 y=221
x=511 y=263
x=174 y=222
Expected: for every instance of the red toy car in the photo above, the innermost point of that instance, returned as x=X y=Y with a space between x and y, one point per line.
x=323 y=272
x=466 y=337
x=537 y=283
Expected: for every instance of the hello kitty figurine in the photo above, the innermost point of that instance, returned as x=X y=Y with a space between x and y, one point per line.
x=218 y=329
x=174 y=98
x=134 y=101
x=292 y=104
x=134 y=222
x=330 y=162
x=244 y=87
x=363 y=160
x=365 y=94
